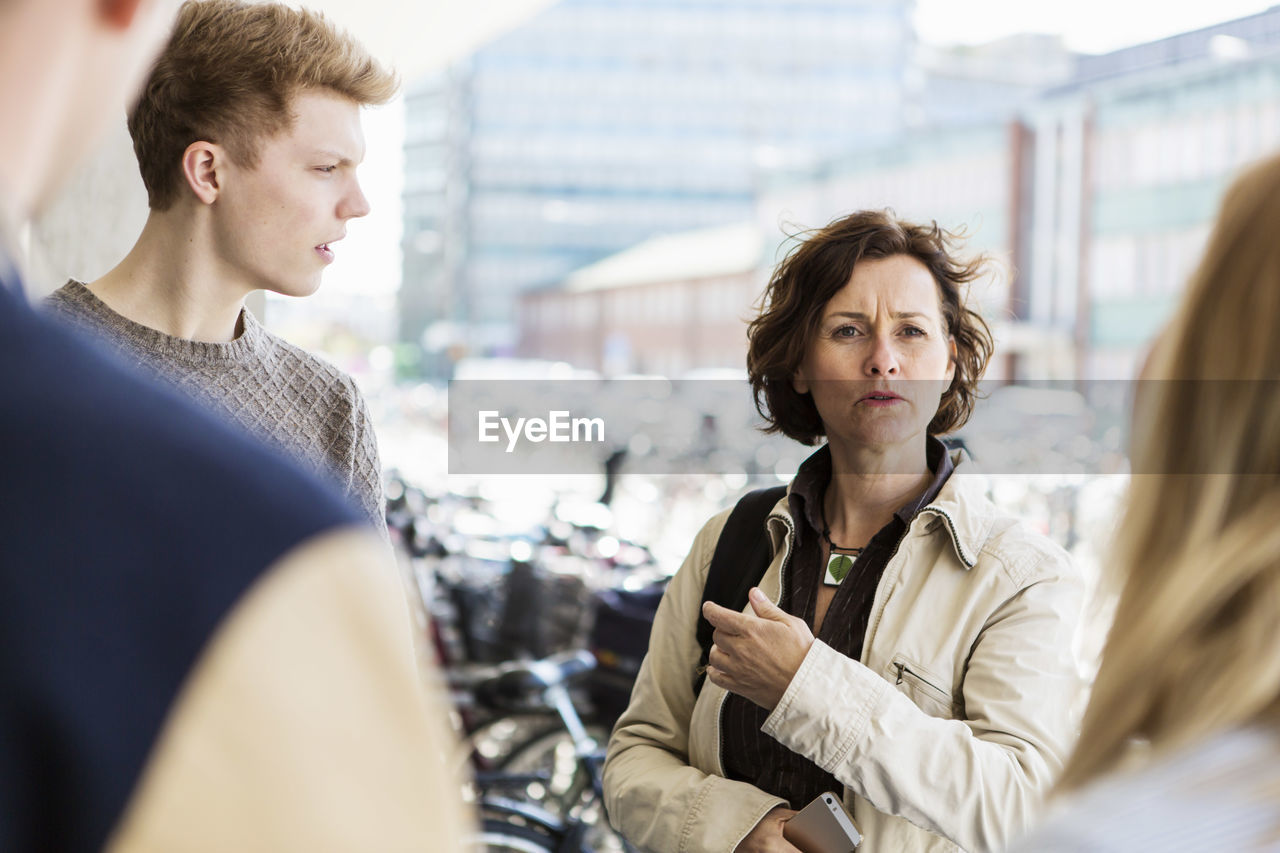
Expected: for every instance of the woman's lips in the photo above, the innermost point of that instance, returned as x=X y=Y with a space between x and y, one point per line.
x=325 y=252
x=879 y=399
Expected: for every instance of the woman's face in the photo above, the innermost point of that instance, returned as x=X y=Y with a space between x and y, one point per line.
x=881 y=357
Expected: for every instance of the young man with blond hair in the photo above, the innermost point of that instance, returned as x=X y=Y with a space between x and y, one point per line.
x=247 y=135
x=202 y=646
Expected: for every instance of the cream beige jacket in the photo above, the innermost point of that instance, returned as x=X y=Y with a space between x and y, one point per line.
x=945 y=735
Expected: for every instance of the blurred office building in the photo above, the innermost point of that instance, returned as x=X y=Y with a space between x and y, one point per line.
x=600 y=124
x=977 y=84
x=1096 y=195
x=1131 y=160
x=1091 y=181
x=679 y=303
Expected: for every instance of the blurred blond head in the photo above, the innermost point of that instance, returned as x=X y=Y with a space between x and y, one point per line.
x=67 y=69
x=1194 y=649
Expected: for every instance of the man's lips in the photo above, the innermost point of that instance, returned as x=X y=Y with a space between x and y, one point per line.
x=325 y=250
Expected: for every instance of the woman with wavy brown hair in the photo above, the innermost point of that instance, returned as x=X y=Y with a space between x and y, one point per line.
x=1180 y=748
x=908 y=646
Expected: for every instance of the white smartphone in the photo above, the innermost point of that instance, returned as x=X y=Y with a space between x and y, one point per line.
x=823 y=826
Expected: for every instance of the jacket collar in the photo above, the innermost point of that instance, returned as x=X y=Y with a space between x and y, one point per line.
x=961 y=509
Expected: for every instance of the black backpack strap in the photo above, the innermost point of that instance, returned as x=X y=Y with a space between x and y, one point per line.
x=742 y=554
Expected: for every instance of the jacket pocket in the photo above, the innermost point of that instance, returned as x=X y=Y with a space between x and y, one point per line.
x=923 y=688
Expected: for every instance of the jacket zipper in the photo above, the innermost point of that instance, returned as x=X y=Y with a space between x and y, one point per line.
x=782 y=587
x=903 y=669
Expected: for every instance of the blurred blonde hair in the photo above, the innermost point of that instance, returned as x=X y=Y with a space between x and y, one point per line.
x=1194 y=648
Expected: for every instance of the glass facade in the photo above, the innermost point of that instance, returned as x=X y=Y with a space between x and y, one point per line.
x=1163 y=155
x=601 y=123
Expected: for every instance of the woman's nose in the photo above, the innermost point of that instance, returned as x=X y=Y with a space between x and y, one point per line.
x=882 y=360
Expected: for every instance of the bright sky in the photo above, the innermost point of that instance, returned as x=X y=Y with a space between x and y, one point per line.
x=1089 y=26
x=369 y=259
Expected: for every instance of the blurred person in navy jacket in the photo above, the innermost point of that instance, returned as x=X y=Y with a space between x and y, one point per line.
x=202 y=647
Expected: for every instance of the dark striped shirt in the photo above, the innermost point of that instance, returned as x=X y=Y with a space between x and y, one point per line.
x=749 y=754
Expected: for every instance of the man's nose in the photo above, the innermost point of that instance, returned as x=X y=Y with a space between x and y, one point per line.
x=354 y=204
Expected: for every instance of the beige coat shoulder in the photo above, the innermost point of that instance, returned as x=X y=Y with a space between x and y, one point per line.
x=305 y=725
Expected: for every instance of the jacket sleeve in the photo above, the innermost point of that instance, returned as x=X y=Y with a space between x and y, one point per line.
x=977 y=781
x=653 y=797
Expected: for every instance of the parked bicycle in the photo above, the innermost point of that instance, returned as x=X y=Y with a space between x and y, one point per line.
x=565 y=763
x=535 y=730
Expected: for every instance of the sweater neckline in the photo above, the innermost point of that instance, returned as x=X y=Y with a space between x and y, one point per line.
x=238 y=349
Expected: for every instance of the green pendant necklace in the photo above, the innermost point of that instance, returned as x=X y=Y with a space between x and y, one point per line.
x=838 y=565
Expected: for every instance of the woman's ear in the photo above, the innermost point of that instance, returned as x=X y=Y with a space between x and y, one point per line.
x=201 y=163
x=952 y=356
x=798 y=383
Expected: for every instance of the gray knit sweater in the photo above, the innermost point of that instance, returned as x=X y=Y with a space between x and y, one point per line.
x=307 y=407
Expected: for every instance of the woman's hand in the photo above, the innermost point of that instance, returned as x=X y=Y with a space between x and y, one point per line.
x=766 y=837
x=756 y=654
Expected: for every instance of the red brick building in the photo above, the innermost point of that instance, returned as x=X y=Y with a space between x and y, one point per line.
x=666 y=306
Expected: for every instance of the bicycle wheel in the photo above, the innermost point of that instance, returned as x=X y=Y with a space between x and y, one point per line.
x=496 y=740
x=551 y=753
x=497 y=835
x=567 y=793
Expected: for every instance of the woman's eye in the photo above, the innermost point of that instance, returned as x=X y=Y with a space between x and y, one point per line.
x=326 y=169
x=846 y=332
x=913 y=331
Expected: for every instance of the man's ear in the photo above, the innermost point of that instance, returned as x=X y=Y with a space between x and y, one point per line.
x=118 y=14
x=201 y=163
